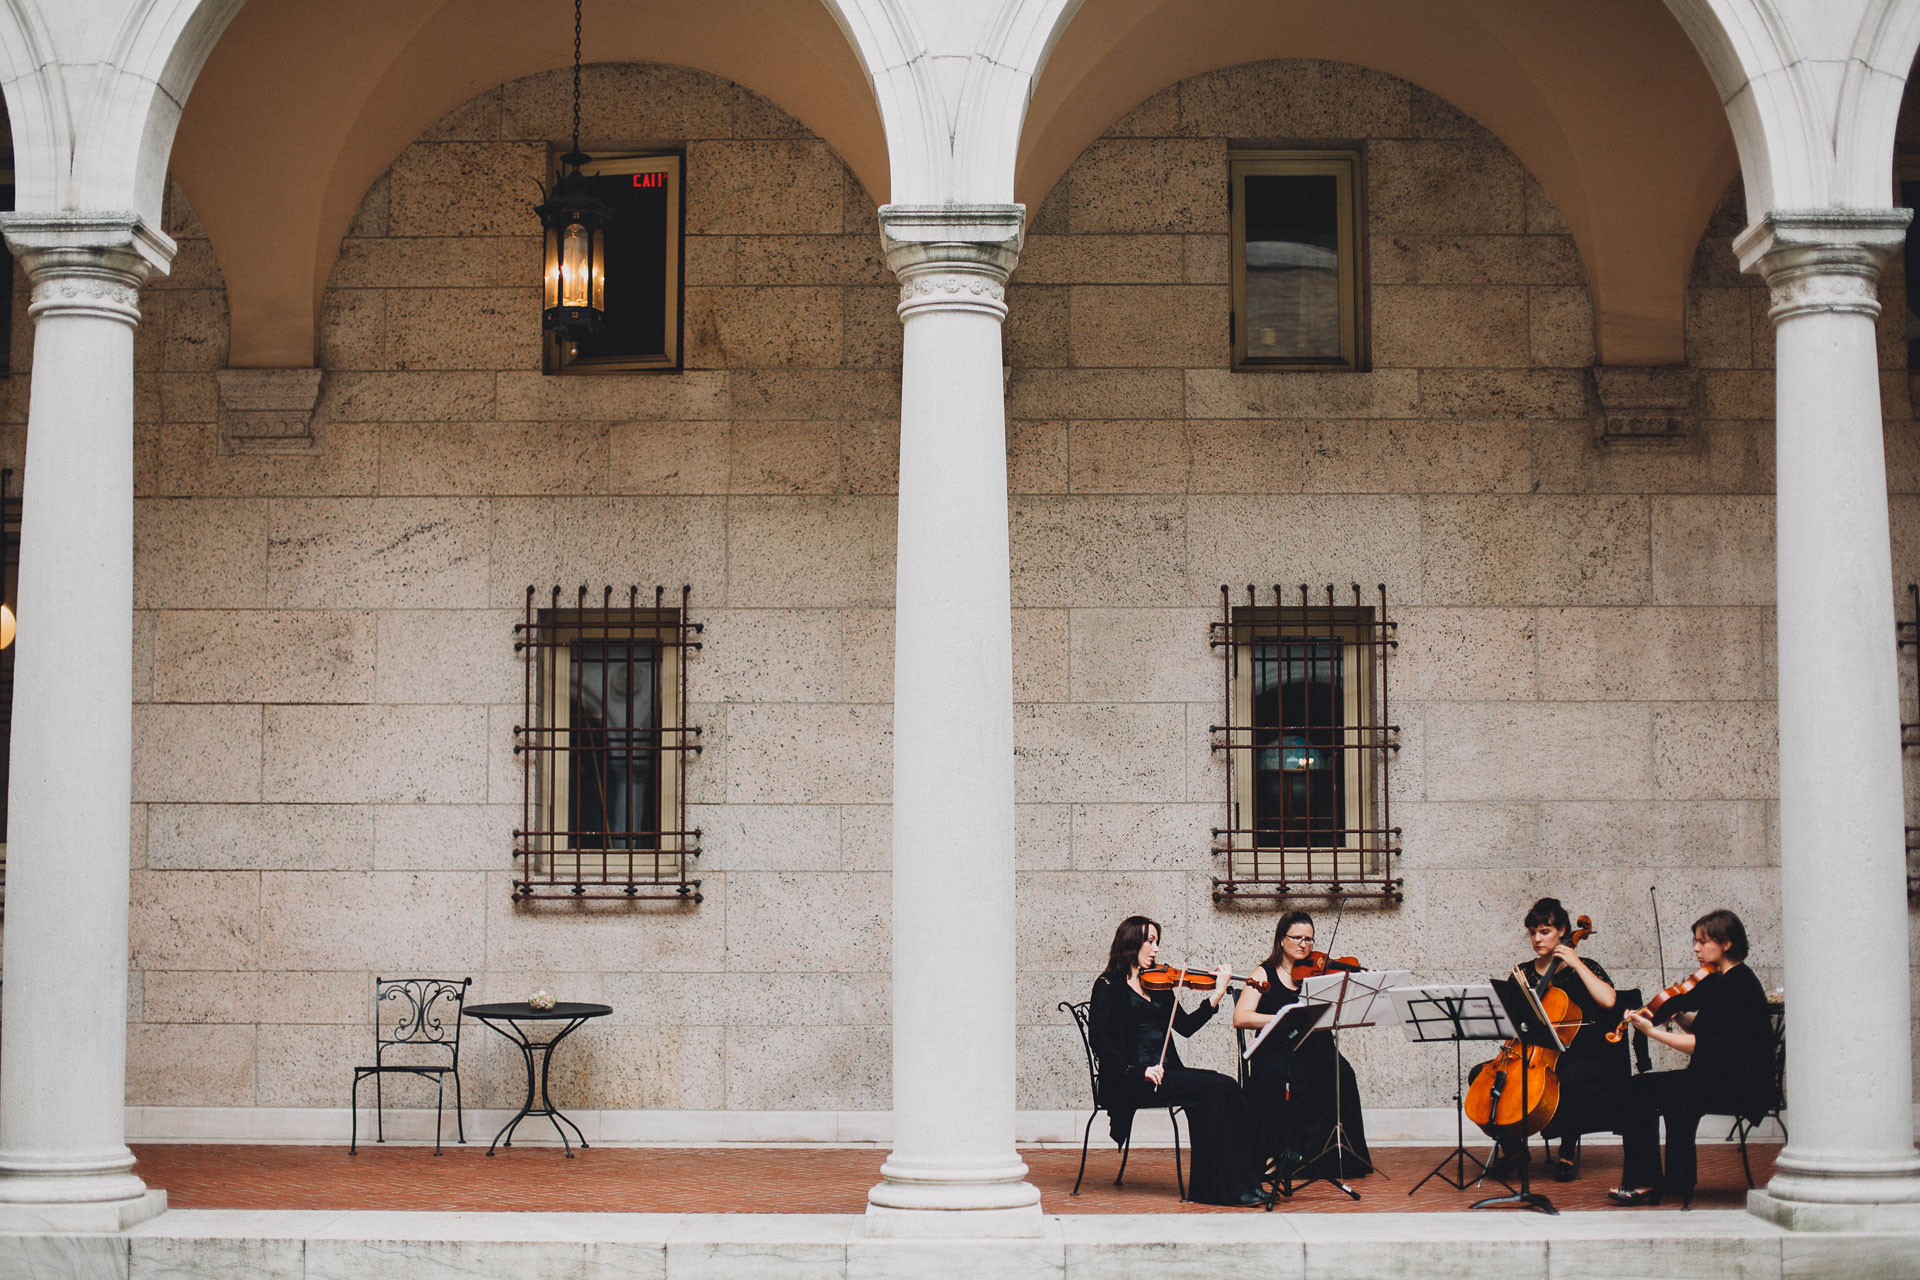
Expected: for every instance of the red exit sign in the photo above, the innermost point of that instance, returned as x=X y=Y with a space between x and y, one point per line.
x=649 y=179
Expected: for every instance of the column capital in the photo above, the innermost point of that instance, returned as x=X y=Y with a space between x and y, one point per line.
x=87 y=263
x=1822 y=259
x=953 y=256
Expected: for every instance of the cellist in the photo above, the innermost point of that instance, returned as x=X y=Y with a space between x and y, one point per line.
x=1587 y=1076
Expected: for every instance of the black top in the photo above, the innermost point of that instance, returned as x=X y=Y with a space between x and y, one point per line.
x=1277 y=999
x=1596 y=1018
x=1127 y=1029
x=1733 y=1033
x=521 y=1011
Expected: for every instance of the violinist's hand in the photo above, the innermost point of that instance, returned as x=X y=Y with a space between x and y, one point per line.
x=1222 y=977
x=1638 y=1020
x=1155 y=1074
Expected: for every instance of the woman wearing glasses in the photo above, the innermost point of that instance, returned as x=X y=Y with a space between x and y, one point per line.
x=1292 y=1095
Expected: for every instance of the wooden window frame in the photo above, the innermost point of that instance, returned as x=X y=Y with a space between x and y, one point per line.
x=557 y=356
x=1347 y=166
x=1362 y=861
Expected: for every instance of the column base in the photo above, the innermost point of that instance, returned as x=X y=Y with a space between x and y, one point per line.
x=931 y=1203
x=1883 y=1198
x=85 y=1215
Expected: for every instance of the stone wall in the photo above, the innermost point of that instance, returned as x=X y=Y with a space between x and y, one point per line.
x=324 y=781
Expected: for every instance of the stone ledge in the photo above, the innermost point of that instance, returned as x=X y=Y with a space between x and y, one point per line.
x=268 y=410
x=1650 y=406
x=228 y=1244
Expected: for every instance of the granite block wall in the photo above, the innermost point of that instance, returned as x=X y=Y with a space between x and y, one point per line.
x=324 y=781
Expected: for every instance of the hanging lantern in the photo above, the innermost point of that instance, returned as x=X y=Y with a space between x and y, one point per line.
x=575 y=226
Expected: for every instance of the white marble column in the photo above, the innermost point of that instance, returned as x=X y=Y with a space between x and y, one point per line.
x=1850 y=1160
x=64 y=1162
x=953 y=1170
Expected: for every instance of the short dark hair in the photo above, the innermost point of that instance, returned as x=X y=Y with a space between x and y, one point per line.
x=1725 y=928
x=1127 y=941
x=1549 y=911
x=1276 y=960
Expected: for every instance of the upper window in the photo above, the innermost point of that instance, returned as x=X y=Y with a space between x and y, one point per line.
x=1308 y=744
x=643 y=253
x=1296 y=259
x=605 y=744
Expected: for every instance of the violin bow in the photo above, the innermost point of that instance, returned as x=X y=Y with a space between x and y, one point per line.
x=1659 y=949
x=1167 y=1039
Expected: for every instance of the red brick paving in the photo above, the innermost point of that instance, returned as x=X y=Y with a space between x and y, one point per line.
x=783 y=1180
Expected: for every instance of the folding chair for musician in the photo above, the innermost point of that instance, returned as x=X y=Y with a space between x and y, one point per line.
x=1079 y=1012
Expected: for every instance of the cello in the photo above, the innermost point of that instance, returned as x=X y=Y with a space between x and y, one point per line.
x=1493 y=1099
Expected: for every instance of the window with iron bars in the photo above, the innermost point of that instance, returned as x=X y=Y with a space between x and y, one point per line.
x=1308 y=742
x=605 y=744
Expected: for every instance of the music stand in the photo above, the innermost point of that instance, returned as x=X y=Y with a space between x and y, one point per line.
x=1436 y=1015
x=1285 y=1032
x=1357 y=999
x=1534 y=1030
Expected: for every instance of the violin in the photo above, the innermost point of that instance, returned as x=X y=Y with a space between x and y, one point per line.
x=1652 y=1006
x=1165 y=977
x=1493 y=1099
x=1320 y=962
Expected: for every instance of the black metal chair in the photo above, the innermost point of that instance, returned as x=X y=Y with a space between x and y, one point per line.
x=1743 y=1126
x=414 y=1019
x=1079 y=1012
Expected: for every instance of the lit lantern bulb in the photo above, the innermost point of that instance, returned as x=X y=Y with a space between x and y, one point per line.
x=7 y=626
x=575 y=261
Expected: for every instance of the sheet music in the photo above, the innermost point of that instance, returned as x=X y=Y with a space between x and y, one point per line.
x=1359 y=999
x=1276 y=1020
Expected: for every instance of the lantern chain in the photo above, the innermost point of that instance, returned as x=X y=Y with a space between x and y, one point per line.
x=576 y=76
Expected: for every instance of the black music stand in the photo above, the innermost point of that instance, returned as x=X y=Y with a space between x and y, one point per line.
x=1358 y=999
x=1285 y=1033
x=1436 y=1015
x=1534 y=1030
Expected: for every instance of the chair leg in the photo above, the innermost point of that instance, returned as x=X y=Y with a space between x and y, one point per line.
x=379 y=1112
x=1085 y=1137
x=459 y=1118
x=1125 y=1149
x=1179 y=1177
x=439 y=1097
x=353 y=1110
x=1744 y=1129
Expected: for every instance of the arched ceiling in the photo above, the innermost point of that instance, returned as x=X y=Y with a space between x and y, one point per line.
x=302 y=106
x=1608 y=105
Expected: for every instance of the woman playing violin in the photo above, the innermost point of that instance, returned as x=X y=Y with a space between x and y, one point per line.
x=1588 y=1072
x=1139 y=1067
x=1291 y=1095
x=1731 y=1072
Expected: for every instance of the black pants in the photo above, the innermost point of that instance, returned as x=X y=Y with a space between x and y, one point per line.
x=1222 y=1168
x=1681 y=1101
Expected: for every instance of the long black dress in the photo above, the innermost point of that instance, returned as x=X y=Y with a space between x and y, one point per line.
x=1291 y=1096
x=1730 y=1073
x=1127 y=1030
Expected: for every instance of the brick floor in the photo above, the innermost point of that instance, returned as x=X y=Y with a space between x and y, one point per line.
x=783 y=1180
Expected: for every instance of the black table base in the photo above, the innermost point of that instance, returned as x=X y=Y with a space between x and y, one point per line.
x=538 y=1056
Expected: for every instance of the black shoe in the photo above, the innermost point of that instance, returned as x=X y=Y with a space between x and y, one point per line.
x=1645 y=1195
x=1508 y=1164
x=1255 y=1199
x=1567 y=1167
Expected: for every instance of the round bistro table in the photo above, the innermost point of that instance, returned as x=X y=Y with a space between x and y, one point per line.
x=506 y=1019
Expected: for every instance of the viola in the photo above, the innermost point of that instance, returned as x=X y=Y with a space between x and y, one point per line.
x=1165 y=977
x=1493 y=1099
x=1652 y=1006
x=1319 y=962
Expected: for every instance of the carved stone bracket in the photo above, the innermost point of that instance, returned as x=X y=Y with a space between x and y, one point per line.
x=89 y=264
x=1817 y=260
x=1642 y=406
x=268 y=410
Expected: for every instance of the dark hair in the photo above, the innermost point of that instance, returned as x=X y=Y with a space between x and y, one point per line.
x=1725 y=928
x=1127 y=941
x=1277 y=960
x=1549 y=911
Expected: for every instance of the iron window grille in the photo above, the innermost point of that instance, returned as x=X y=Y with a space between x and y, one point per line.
x=604 y=742
x=1906 y=634
x=1308 y=741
